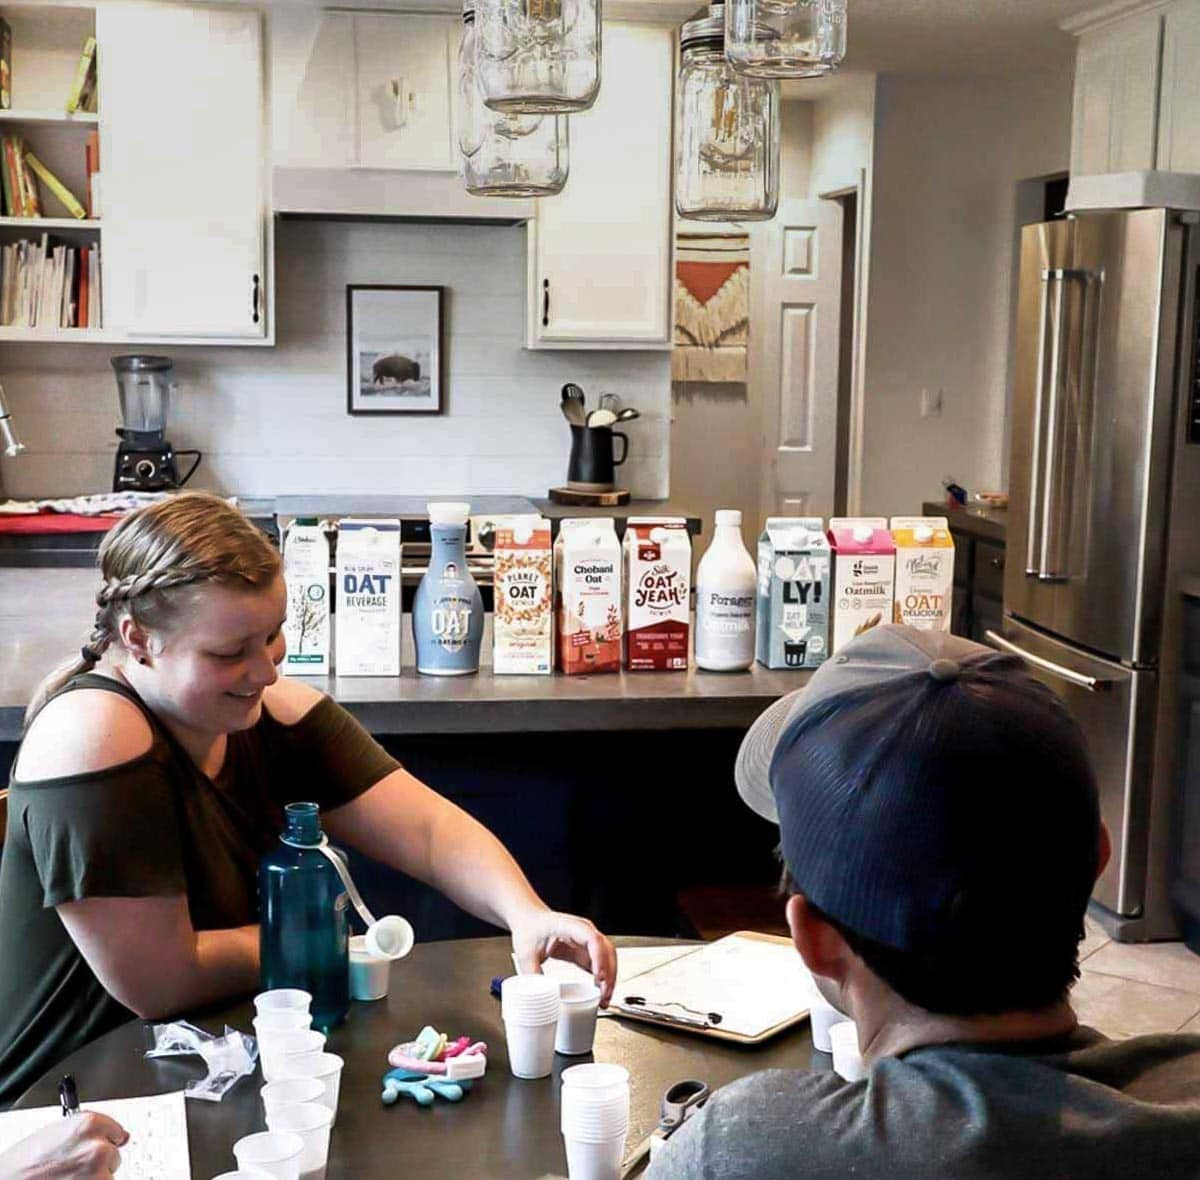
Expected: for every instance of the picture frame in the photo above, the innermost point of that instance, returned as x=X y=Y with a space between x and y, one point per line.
x=395 y=362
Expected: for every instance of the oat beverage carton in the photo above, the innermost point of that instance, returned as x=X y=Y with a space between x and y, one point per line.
x=306 y=572
x=658 y=585
x=367 y=626
x=864 y=573
x=523 y=631
x=587 y=589
x=794 y=592
x=924 y=572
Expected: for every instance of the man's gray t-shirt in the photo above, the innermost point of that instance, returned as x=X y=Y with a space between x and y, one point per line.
x=1082 y=1107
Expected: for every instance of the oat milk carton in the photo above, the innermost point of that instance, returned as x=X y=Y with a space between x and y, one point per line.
x=864 y=571
x=306 y=572
x=367 y=631
x=587 y=589
x=658 y=585
x=924 y=572
x=793 y=592
x=523 y=631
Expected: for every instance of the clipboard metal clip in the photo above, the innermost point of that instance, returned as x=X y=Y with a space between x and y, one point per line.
x=694 y=1018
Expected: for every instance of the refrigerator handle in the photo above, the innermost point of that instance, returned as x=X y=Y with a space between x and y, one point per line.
x=1091 y=683
x=1032 y=569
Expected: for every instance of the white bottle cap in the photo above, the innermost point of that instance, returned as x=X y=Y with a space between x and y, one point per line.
x=922 y=533
x=729 y=516
x=448 y=512
x=863 y=533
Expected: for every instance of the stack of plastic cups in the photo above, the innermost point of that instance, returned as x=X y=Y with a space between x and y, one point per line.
x=290 y=1092
x=244 y=1174
x=275 y=1152
x=823 y=1016
x=279 y=1013
x=530 y=1005
x=326 y=1068
x=312 y=1122
x=595 y=1120
x=278 y=1049
x=848 y=1061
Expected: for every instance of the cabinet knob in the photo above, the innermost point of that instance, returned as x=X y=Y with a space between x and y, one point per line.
x=545 y=303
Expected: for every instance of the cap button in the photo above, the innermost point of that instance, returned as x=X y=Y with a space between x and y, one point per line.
x=946 y=670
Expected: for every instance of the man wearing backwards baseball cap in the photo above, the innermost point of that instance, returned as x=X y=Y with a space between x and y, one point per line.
x=940 y=829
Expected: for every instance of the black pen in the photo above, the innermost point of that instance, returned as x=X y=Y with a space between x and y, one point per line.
x=68 y=1096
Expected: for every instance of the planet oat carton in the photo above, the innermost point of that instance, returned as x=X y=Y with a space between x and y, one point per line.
x=587 y=596
x=658 y=585
x=864 y=574
x=793 y=592
x=924 y=572
x=523 y=631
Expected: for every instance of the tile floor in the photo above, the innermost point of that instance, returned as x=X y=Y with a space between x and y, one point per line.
x=1127 y=989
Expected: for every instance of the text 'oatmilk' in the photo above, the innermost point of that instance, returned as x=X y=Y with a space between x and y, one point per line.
x=658 y=582
x=793 y=592
x=864 y=572
x=924 y=572
x=587 y=589
x=306 y=573
x=524 y=595
x=367 y=630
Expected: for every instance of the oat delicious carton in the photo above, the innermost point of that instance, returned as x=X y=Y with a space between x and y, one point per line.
x=924 y=572
x=367 y=623
x=794 y=592
x=587 y=596
x=864 y=573
x=523 y=631
x=658 y=585
x=306 y=573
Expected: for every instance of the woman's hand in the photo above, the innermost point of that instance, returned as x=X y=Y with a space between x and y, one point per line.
x=83 y=1147
x=544 y=934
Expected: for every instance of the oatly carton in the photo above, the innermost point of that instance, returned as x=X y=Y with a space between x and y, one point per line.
x=587 y=596
x=793 y=592
x=864 y=572
x=306 y=572
x=924 y=572
x=658 y=585
x=523 y=630
x=367 y=623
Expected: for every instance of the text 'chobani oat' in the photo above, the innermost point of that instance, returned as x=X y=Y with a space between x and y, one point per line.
x=524 y=597
x=924 y=572
x=658 y=583
x=587 y=596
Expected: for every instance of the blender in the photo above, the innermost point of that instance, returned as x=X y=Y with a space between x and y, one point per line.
x=145 y=459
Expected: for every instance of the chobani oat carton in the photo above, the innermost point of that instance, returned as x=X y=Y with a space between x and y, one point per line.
x=793 y=592
x=864 y=572
x=523 y=631
x=658 y=585
x=924 y=572
x=587 y=596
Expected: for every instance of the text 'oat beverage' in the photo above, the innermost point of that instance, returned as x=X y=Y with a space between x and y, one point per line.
x=793 y=592
x=523 y=633
x=864 y=572
x=306 y=573
x=924 y=572
x=367 y=631
x=587 y=590
x=658 y=583
x=725 y=599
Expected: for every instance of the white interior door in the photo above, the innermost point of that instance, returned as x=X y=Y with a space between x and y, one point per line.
x=796 y=276
x=182 y=141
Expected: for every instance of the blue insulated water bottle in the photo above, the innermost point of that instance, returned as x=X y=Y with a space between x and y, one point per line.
x=304 y=934
x=448 y=608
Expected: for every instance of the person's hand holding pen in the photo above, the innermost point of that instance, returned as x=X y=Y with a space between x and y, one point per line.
x=80 y=1147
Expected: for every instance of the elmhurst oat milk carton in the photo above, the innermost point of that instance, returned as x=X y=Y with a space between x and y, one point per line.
x=658 y=583
x=367 y=630
x=924 y=572
x=864 y=572
x=587 y=590
x=306 y=573
x=793 y=592
x=523 y=631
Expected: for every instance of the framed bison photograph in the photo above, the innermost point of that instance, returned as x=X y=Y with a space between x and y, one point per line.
x=394 y=350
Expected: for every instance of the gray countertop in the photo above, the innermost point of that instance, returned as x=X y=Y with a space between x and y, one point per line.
x=976 y=519
x=46 y=614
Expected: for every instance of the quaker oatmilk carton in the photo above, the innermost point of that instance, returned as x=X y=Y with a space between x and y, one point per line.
x=524 y=593
x=793 y=592
x=864 y=572
x=658 y=576
x=587 y=588
x=306 y=572
x=367 y=626
x=924 y=572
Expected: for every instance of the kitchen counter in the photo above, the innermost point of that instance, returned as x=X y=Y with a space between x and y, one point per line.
x=556 y=512
x=976 y=519
x=46 y=614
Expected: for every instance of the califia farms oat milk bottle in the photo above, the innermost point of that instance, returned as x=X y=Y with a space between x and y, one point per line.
x=726 y=587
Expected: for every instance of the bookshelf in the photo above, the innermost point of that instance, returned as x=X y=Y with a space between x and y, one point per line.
x=51 y=118
x=45 y=223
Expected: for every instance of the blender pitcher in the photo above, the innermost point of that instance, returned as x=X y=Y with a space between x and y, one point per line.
x=144 y=386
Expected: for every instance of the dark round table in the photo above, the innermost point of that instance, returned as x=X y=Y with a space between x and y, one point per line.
x=504 y=1128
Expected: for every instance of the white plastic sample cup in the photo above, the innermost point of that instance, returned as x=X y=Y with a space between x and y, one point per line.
x=847 y=1057
x=530 y=1005
x=589 y=1160
x=327 y=1069
x=283 y=999
x=369 y=974
x=595 y=1120
x=312 y=1122
x=823 y=1016
x=284 y=1020
x=290 y=1092
x=276 y=1050
x=580 y=1003
x=244 y=1174
x=275 y=1152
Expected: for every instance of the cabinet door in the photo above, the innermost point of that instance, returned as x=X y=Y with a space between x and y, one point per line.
x=1179 y=100
x=183 y=153
x=403 y=90
x=600 y=252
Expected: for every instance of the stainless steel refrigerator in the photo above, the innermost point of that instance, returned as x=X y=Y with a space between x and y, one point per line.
x=1104 y=491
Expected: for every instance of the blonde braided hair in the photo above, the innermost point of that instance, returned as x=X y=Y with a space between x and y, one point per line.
x=187 y=540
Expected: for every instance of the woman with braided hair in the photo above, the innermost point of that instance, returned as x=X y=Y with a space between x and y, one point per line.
x=152 y=777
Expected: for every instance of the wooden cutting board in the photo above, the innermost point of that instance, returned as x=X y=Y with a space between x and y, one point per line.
x=611 y=499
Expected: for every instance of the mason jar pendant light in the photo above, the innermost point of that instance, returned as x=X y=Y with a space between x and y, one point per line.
x=727 y=146
x=785 y=38
x=538 y=56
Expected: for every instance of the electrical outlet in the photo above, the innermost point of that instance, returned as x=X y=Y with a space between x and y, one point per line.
x=931 y=403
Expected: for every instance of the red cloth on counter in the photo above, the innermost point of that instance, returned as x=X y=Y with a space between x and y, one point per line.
x=57 y=522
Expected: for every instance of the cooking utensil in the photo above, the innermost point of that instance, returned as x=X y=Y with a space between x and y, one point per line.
x=574 y=392
x=610 y=401
x=628 y=415
x=573 y=411
x=601 y=418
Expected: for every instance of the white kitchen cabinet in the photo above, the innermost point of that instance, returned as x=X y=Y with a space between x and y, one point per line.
x=599 y=253
x=183 y=201
x=1179 y=106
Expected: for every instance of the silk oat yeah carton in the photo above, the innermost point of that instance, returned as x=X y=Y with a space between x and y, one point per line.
x=587 y=596
x=924 y=572
x=793 y=592
x=864 y=568
x=658 y=576
x=523 y=631
x=367 y=623
x=306 y=573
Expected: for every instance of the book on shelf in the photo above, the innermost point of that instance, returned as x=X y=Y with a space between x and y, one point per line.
x=92 y=164
x=31 y=202
x=83 y=89
x=45 y=284
x=5 y=65
x=65 y=197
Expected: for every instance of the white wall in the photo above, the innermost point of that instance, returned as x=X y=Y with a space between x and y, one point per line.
x=949 y=153
x=273 y=420
x=843 y=133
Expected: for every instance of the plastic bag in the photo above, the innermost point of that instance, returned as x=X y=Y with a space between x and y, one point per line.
x=227 y=1058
